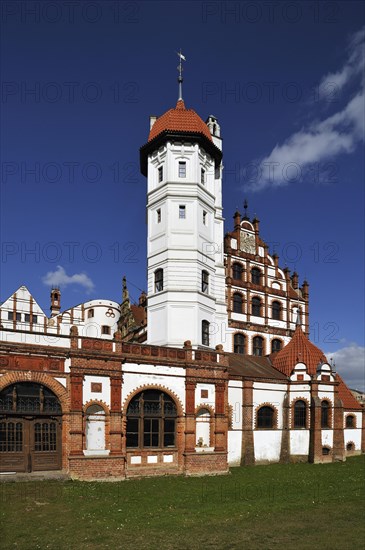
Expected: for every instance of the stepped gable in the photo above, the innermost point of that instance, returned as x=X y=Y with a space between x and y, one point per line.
x=299 y=350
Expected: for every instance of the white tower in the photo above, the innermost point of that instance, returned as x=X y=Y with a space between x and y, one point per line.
x=186 y=279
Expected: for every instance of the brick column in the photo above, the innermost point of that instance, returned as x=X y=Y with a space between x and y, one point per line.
x=315 y=436
x=338 y=428
x=248 y=450
x=285 y=433
x=76 y=416
x=190 y=416
x=115 y=415
x=220 y=418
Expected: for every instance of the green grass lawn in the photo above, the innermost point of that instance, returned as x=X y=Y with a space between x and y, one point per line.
x=292 y=506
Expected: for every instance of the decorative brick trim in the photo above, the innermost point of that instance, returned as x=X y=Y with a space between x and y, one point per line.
x=204 y=406
x=275 y=416
x=307 y=415
x=348 y=443
x=39 y=378
x=91 y=402
x=179 y=406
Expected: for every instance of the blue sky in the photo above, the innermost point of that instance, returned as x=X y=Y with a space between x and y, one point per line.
x=285 y=81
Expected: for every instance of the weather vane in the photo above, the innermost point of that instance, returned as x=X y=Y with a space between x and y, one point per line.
x=180 y=69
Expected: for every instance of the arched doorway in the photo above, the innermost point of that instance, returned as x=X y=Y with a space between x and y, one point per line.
x=30 y=428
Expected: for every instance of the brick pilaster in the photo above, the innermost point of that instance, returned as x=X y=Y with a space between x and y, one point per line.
x=190 y=416
x=285 y=433
x=220 y=418
x=315 y=437
x=76 y=417
x=338 y=428
x=115 y=415
x=248 y=450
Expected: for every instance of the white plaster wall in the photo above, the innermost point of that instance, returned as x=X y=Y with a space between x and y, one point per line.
x=353 y=434
x=267 y=445
x=104 y=395
x=299 y=442
x=210 y=400
x=234 y=447
x=62 y=381
x=327 y=438
x=235 y=400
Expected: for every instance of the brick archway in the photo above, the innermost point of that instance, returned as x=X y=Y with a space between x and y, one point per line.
x=38 y=378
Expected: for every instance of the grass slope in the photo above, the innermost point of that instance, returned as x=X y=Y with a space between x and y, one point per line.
x=299 y=506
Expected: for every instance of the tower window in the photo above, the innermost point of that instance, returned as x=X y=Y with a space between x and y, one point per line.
x=202 y=176
x=182 y=211
x=237 y=271
x=158 y=280
x=160 y=174
x=90 y=313
x=158 y=215
x=276 y=310
x=237 y=302
x=239 y=343
x=255 y=276
x=205 y=282
x=275 y=345
x=258 y=346
x=205 y=333
x=256 y=307
x=182 y=169
x=350 y=421
x=204 y=217
x=105 y=329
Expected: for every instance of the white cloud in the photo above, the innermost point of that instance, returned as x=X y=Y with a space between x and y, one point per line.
x=350 y=364
x=60 y=278
x=321 y=140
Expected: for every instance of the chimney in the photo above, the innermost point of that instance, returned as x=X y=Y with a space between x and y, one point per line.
x=55 y=301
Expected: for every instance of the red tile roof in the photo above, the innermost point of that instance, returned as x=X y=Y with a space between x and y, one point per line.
x=348 y=400
x=299 y=350
x=180 y=119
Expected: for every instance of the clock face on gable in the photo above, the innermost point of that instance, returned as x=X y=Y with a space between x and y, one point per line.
x=247 y=242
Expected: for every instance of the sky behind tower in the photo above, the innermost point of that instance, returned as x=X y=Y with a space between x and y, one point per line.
x=79 y=81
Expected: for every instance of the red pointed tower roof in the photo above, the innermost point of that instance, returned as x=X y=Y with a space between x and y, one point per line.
x=179 y=119
x=299 y=350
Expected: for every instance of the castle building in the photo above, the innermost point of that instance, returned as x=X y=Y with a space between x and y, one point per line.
x=212 y=368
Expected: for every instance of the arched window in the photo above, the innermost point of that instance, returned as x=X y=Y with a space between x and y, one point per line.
x=276 y=345
x=205 y=282
x=300 y=414
x=151 y=420
x=255 y=276
x=158 y=280
x=95 y=428
x=239 y=343
x=325 y=407
x=350 y=447
x=237 y=302
x=237 y=271
x=203 y=428
x=258 y=346
x=350 y=421
x=205 y=333
x=265 y=417
x=256 y=306
x=276 y=310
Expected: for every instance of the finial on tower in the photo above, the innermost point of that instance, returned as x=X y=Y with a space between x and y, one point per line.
x=245 y=206
x=180 y=77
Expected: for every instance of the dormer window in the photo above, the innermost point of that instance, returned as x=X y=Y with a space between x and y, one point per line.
x=182 y=169
x=160 y=174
